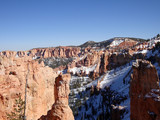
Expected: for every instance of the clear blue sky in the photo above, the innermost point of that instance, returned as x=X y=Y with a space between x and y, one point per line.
x=27 y=24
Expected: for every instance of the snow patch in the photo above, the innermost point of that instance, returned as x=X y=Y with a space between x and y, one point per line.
x=87 y=70
x=116 y=42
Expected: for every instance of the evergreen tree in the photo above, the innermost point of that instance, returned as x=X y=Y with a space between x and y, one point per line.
x=18 y=112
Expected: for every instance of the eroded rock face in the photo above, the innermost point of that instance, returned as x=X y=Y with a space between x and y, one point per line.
x=8 y=53
x=89 y=59
x=118 y=59
x=104 y=60
x=104 y=63
x=45 y=52
x=144 y=92
x=127 y=43
x=41 y=79
x=60 y=109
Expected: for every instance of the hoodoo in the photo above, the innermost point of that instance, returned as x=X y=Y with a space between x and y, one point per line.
x=144 y=92
x=60 y=109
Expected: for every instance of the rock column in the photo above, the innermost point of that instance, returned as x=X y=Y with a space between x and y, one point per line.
x=144 y=92
x=60 y=109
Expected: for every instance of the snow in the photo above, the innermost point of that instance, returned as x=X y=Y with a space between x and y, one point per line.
x=149 y=54
x=82 y=80
x=116 y=83
x=143 y=52
x=75 y=70
x=35 y=57
x=17 y=56
x=155 y=90
x=115 y=78
x=151 y=113
x=94 y=83
x=127 y=105
x=83 y=57
x=83 y=68
x=96 y=102
x=154 y=95
x=58 y=72
x=116 y=42
x=156 y=41
x=157 y=68
x=155 y=53
x=147 y=96
x=89 y=69
x=149 y=65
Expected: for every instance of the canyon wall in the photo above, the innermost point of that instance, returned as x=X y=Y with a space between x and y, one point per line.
x=144 y=92
x=13 y=74
x=104 y=60
x=45 y=52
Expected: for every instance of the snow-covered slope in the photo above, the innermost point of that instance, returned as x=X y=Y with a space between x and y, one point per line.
x=95 y=105
x=114 y=78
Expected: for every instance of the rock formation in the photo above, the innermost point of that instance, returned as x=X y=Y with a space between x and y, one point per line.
x=60 y=109
x=45 y=52
x=103 y=59
x=89 y=59
x=104 y=62
x=144 y=92
x=127 y=43
x=41 y=79
x=117 y=59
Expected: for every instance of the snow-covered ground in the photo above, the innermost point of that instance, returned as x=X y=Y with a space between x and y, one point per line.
x=80 y=82
x=83 y=68
x=113 y=79
x=142 y=51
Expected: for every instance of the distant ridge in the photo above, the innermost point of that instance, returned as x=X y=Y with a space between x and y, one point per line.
x=106 y=43
x=88 y=43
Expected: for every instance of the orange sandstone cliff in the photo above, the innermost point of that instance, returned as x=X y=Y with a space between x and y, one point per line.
x=45 y=52
x=13 y=75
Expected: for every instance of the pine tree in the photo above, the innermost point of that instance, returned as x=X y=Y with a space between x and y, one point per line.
x=18 y=112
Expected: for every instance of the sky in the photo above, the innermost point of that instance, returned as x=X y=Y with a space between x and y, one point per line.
x=27 y=24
